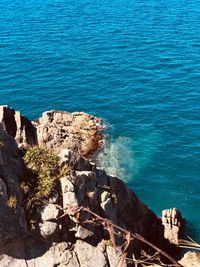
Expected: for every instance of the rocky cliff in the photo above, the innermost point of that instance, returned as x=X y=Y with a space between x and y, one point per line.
x=79 y=222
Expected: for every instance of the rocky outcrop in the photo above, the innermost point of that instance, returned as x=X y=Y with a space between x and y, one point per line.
x=70 y=241
x=55 y=130
x=18 y=126
x=56 y=238
x=108 y=196
x=76 y=131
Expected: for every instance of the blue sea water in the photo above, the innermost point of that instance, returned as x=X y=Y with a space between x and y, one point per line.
x=134 y=63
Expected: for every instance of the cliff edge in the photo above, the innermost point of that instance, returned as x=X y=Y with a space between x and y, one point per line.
x=70 y=212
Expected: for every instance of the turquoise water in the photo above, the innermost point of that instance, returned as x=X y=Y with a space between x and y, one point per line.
x=134 y=63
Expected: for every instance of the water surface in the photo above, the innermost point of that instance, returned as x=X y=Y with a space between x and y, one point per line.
x=134 y=63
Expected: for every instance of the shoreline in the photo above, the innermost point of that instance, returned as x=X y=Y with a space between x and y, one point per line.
x=82 y=184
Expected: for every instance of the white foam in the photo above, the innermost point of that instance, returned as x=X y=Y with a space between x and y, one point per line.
x=125 y=157
x=117 y=158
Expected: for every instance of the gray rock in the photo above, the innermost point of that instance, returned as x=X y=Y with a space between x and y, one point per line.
x=26 y=254
x=49 y=221
x=89 y=256
x=83 y=233
x=113 y=255
x=109 y=209
x=68 y=194
x=3 y=193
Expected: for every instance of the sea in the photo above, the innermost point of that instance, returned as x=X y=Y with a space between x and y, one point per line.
x=133 y=63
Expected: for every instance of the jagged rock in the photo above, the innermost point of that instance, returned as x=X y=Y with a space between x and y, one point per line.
x=174 y=225
x=3 y=193
x=18 y=126
x=76 y=131
x=108 y=196
x=85 y=185
x=191 y=259
x=73 y=159
x=12 y=217
x=83 y=233
x=108 y=207
x=7 y=118
x=55 y=130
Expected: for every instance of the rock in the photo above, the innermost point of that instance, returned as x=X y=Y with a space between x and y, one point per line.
x=49 y=221
x=12 y=217
x=76 y=131
x=74 y=240
x=31 y=253
x=55 y=130
x=68 y=194
x=71 y=158
x=108 y=207
x=7 y=118
x=191 y=259
x=83 y=233
x=110 y=197
x=3 y=193
x=89 y=256
x=113 y=256
x=174 y=225
x=18 y=126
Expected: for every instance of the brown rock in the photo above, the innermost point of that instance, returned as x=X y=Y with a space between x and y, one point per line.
x=191 y=259
x=174 y=225
x=76 y=131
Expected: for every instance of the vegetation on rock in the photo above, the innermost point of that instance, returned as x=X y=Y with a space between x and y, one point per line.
x=12 y=202
x=41 y=174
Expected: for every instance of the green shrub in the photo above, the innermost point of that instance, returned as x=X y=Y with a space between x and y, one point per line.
x=41 y=175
